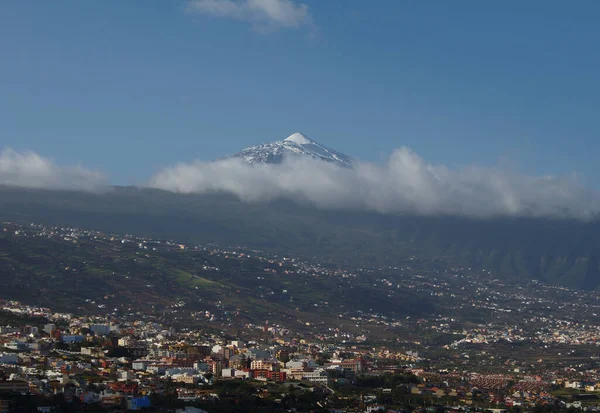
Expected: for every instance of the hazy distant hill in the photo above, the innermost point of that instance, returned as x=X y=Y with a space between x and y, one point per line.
x=563 y=252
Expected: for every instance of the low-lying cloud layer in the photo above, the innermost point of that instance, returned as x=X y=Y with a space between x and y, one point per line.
x=30 y=170
x=405 y=184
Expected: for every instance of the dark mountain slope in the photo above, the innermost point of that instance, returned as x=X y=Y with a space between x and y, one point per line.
x=564 y=252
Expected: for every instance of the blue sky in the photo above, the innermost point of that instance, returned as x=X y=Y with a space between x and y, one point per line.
x=129 y=88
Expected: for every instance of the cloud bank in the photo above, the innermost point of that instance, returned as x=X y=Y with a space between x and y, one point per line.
x=30 y=170
x=263 y=14
x=405 y=184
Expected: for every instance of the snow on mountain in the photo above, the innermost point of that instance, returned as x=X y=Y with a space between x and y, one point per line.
x=296 y=144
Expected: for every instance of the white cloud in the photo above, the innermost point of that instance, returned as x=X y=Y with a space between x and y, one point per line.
x=263 y=14
x=405 y=184
x=30 y=170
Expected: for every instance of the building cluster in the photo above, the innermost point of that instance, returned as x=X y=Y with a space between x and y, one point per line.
x=486 y=344
x=120 y=363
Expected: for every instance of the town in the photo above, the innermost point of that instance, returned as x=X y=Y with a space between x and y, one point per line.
x=209 y=342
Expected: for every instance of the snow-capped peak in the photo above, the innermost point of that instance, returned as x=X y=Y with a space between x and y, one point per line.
x=295 y=145
x=299 y=138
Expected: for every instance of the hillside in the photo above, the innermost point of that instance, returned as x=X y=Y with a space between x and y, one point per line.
x=561 y=252
x=73 y=270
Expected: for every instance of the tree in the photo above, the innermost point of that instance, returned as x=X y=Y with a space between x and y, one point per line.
x=283 y=357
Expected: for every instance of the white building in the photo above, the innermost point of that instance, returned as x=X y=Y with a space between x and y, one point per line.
x=242 y=374
x=295 y=364
x=227 y=373
x=180 y=370
x=125 y=375
x=319 y=376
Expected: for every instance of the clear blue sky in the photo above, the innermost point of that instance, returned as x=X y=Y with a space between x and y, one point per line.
x=129 y=87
